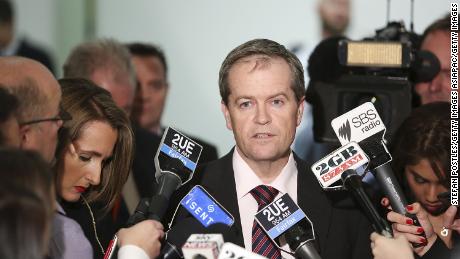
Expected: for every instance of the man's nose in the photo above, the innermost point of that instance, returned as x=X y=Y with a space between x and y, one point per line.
x=262 y=115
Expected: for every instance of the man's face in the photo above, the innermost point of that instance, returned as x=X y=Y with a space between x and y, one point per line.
x=153 y=89
x=43 y=136
x=119 y=86
x=262 y=110
x=6 y=34
x=335 y=15
x=438 y=89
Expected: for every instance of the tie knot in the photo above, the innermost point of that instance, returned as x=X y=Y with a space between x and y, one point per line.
x=264 y=195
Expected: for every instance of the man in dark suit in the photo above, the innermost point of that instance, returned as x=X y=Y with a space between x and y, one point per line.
x=151 y=72
x=262 y=88
x=12 y=45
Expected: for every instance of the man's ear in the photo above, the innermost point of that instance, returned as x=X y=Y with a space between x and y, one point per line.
x=226 y=113
x=24 y=135
x=300 y=111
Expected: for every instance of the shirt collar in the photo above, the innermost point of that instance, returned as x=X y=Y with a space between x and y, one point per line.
x=246 y=179
x=12 y=48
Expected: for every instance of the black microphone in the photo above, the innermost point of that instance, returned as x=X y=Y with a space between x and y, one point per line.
x=168 y=182
x=283 y=217
x=300 y=239
x=352 y=183
x=341 y=164
x=175 y=162
x=369 y=130
x=140 y=213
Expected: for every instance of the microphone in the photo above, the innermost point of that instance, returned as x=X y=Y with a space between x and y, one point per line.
x=232 y=251
x=368 y=130
x=341 y=164
x=201 y=246
x=179 y=233
x=352 y=183
x=206 y=210
x=284 y=217
x=140 y=213
x=175 y=162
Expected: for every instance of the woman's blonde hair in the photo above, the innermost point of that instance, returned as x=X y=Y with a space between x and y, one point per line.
x=87 y=102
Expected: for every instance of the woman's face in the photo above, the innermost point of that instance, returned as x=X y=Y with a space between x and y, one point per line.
x=425 y=186
x=84 y=159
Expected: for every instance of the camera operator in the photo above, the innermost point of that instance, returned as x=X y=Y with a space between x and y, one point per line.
x=436 y=39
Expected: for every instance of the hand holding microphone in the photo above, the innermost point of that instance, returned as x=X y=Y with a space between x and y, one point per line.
x=146 y=235
x=364 y=126
x=403 y=225
x=175 y=163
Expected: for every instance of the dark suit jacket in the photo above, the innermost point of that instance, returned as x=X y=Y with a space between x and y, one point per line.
x=29 y=50
x=340 y=233
x=143 y=165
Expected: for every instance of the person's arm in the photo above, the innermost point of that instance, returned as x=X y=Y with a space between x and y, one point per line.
x=145 y=235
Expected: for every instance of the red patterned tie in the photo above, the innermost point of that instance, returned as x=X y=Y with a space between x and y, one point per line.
x=261 y=243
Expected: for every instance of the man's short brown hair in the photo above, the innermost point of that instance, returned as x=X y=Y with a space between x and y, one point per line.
x=262 y=47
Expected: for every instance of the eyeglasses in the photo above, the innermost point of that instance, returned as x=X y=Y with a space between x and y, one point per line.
x=62 y=116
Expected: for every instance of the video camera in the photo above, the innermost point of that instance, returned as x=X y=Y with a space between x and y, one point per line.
x=382 y=69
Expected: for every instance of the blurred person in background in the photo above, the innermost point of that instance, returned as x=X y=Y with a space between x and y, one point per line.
x=335 y=18
x=13 y=45
x=152 y=76
x=26 y=204
x=436 y=39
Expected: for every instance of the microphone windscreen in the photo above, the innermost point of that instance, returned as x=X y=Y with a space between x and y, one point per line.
x=180 y=232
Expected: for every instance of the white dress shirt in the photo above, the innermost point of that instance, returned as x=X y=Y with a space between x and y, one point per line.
x=246 y=180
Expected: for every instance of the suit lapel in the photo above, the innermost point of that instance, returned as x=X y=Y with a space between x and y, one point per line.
x=312 y=200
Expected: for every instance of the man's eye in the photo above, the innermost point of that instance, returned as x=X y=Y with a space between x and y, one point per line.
x=157 y=86
x=245 y=104
x=277 y=102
